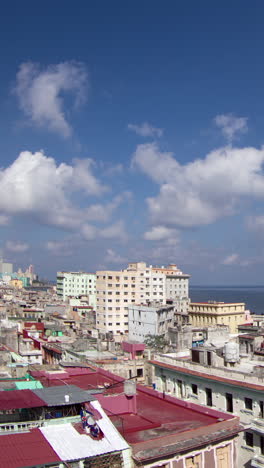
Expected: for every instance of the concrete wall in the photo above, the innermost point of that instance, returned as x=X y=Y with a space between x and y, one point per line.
x=169 y=381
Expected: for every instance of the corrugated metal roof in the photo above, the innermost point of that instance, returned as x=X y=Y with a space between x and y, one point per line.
x=69 y=444
x=26 y=449
x=29 y=385
x=20 y=399
x=55 y=396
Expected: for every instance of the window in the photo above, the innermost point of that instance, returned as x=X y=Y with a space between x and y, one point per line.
x=229 y=402
x=209 y=399
x=180 y=388
x=139 y=372
x=249 y=439
x=261 y=409
x=194 y=462
x=249 y=404
x=194 y=389
x=262 y=445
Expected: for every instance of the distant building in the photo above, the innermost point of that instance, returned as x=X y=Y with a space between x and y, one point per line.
x=206 y=314
x=149 y=319
x=6 y=268
x=76 y=284
x=137 y=284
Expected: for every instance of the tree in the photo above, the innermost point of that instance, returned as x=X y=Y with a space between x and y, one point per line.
x=157 y=342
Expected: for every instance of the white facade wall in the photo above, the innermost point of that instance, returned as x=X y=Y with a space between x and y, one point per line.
x=75 y=284
x=149 y=320
x=181 y=385
x=177 y=286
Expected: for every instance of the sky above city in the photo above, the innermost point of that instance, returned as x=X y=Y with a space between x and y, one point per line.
x=133 y=131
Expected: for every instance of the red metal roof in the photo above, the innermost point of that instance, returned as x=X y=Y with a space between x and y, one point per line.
x=28 y=449
x=19 y=399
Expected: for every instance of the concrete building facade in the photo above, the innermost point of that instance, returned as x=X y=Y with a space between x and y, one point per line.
x=137 y=284
x=220 y=388
x=75 y=284
x=149 y=319
x=206 y=314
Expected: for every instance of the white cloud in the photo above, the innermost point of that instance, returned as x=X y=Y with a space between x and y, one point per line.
x=89 y=232
x=255 y=223
x=201 y=191
x=40 y=93
x=113 y=257
x=100 y=212
x=60 y=248
x=115 y=231
x=18 y=247
x=158 y=233
x=35 y=186
x=232 y=259
x=146 y=130
x=231 y=126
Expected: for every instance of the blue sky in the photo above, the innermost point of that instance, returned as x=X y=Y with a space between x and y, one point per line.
x=133 y=131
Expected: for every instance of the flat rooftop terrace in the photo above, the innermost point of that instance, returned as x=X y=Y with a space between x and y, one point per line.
x=158 y=418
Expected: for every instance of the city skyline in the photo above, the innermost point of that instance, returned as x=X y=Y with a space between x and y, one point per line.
x=133 y=133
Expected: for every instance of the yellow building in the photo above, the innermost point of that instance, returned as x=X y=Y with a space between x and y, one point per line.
x=208 y=314
x=16 y=283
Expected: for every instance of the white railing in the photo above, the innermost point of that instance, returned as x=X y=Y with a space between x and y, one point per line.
x=22 y=426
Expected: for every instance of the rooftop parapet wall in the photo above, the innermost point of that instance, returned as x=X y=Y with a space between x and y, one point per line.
x=227 y=373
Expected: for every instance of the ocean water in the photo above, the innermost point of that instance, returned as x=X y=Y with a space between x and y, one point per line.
x=253 y=296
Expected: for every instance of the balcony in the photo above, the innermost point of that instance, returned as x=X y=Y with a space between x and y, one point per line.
x=257 y=461
x=258 y=425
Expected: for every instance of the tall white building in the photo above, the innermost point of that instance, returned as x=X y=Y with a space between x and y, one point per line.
x=75 y=284
x=137 y=284
x=6 y=268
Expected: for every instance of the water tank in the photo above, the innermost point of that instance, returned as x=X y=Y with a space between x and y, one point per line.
x=231 y=352
x=67 y=398
x=130 y=387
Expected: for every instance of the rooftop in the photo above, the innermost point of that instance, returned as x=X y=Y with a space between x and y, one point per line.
x=26 y=449
x=151 y=420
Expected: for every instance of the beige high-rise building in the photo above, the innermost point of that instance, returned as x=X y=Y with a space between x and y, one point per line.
x=137 y=284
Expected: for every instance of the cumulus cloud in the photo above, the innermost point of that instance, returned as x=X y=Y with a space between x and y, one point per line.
x=201 y=191
x=114 y=257
x=255 y=223
x=231 y=126
x=35 y=186
x=146 y=130
x=60 y=248
x=16 y=246
x=115 y=231
x=103 y=212
x=41 y=92
x=157 y=233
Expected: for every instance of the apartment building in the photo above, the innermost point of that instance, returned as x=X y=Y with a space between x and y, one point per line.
x=75 y=284
x=144 y=320
x=238 y=390
x=137 y=284
x=206 y=314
